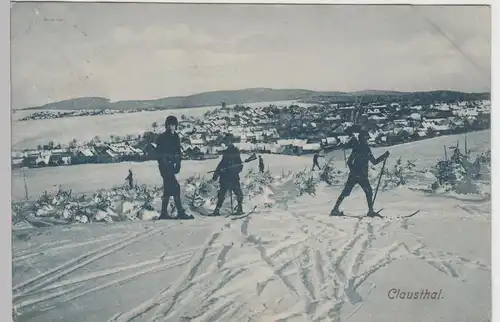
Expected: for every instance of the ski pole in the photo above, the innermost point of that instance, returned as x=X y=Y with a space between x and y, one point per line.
x=231 y=200
x=379 y=179
x=236 y=165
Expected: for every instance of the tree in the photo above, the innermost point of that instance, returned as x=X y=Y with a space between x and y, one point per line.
x=51 y=145
x=430 y=132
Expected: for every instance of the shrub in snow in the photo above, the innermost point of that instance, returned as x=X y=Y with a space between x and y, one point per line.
x=200 y=191
x=397 y=175
x=255 y=183
x=305 y=182
x=118 y=204
x=329 y=175
x=459 y=173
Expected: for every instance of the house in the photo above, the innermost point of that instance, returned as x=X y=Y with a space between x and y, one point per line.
x=378 y=117
x=196 y=141
x=17 y=163
x=329 y=141
x=311 y=147
x=343 y=139
x=400 y=122
x=333 y=118
x=43 y=159
x=30 y=161
x=415 y=116
x=60 y=157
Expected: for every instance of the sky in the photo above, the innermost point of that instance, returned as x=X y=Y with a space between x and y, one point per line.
x=131 y=51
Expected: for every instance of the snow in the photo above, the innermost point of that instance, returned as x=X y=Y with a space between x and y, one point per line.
x=290 y=262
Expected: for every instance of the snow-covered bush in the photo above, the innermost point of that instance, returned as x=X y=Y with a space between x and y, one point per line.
x=305 y=182
x=199 y=191
x=461 y=174
x=329 y=174
x=398 y=175
x=118 y=204
x=255 y=183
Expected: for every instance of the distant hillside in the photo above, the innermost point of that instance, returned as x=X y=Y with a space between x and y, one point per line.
x=252 y=95
x=375 y=92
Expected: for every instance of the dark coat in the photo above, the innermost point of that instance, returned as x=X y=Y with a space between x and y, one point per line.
x=169 y=153
x=360 y=156
x=230 y=166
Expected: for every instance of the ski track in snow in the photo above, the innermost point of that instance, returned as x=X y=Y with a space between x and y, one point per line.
x=321 y=265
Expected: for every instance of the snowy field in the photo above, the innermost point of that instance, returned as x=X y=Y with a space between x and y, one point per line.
x=92 y=177
x=30 y=134
x=288 y=263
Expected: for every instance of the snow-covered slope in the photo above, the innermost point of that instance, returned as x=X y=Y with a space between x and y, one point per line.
x=291 y=262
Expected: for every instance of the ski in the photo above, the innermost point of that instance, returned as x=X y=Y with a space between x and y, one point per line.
x=361 y=216
x=402 y=217
x=173 y=218
x=245 y=214
x=379 y=216
x=206 y=212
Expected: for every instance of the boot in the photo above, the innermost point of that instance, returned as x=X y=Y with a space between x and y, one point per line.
x=239 y=210
x=372 y=213
x=164 y=211
x=216 y=211
x=181 y=214
x=336 y=212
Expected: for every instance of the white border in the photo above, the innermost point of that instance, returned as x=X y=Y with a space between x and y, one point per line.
x=5 y=138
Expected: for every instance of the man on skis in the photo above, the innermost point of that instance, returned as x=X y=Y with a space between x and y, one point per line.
x=358 y=165
x=227 y=172
x=169 y=162
x=261 y=164
x=315 y=161
x=130 y=179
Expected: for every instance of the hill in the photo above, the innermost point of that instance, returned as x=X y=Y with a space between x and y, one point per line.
x=254 y=95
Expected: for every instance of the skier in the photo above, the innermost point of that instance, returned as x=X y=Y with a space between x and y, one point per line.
x=261 y=164
x=315 y=161
x=227 y=172
x=169 y=164
x=358 y=165
x=130 y=179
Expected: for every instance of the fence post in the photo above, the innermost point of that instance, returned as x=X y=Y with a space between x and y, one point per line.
x=25 y=184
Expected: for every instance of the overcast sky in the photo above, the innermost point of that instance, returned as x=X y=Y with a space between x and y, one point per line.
x=146 y=51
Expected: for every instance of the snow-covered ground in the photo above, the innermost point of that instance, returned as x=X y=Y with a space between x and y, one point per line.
x=289 y=263
x=29 y=134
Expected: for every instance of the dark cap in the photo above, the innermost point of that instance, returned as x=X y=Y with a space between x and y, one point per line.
x=171 y=120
